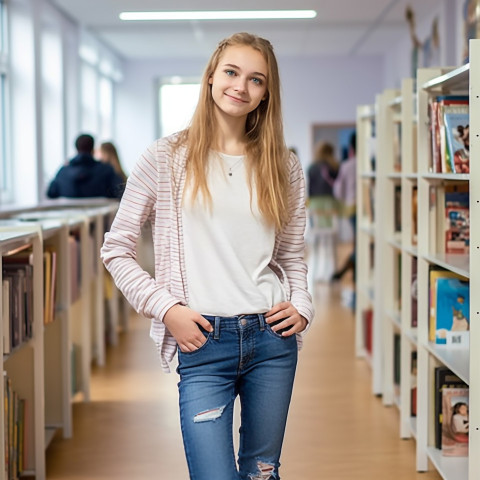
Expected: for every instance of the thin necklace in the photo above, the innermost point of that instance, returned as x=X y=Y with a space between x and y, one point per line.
x=232 y=168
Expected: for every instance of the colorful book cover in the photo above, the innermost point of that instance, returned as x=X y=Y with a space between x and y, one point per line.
x=444 y=378
x=440 y=163
x=455 y=426
x=457 y=225
x=452 y=307
x=434 y=274
x=457 y=138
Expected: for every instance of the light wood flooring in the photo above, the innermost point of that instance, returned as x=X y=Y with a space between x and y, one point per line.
x=337 y=429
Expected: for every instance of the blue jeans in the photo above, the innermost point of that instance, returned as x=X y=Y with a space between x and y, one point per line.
x=244 y=357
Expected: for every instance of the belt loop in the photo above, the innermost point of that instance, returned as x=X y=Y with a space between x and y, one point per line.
x=261 y=321
x=216 y=334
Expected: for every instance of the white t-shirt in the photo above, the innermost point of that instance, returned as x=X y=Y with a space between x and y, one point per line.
x=228 y=247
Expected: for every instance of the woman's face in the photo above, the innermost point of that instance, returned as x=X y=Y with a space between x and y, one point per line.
x=239 y=83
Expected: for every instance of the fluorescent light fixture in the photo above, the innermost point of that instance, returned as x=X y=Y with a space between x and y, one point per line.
x=220 y=15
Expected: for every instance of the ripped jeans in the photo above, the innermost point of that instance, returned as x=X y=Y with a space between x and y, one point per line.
x=244 y=357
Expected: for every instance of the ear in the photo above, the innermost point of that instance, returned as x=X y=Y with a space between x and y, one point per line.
x=210 y=81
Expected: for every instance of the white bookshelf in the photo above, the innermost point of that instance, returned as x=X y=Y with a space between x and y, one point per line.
x=365 y=284
x=398 y=250
x=41 y=368
x=24 y=364
x=464 y=363
x=410 y=109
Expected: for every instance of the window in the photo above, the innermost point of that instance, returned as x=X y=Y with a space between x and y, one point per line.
x=100 y=72
x=177 y=101
x=52 y=105
x=106 y=108
x=5 y=170
x=89 y=122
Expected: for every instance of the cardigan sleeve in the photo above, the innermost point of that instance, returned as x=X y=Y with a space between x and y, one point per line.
x=290 y=254
x=119 y=250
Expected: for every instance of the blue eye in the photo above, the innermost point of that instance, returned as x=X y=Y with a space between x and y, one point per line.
x=257 y=81
x=230 y=73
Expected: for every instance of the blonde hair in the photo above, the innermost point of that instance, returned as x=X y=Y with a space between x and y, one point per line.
x=266 y=152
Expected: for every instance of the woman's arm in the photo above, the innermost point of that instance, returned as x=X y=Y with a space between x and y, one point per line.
x=119 y=251
x=290 y=254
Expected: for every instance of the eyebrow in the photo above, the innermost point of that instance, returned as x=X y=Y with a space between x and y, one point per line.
x=238 y=68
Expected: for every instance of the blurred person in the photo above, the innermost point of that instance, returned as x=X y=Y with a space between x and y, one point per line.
x=107 y=153
x=321 y=177
x=84 y=176
x=345 y=190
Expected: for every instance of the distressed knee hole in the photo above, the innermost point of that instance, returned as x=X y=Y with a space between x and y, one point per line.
x=265 y=471
x=209 y=415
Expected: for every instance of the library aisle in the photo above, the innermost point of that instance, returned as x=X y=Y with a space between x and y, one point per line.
x=337 y=429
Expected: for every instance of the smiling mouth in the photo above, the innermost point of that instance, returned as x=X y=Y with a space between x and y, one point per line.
x=236 y=99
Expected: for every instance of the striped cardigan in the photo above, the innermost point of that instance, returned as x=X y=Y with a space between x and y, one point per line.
x=154 y=193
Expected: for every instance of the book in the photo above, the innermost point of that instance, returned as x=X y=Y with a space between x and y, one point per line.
x=413 y=384
x=443 y=378
x=456 y=119
x=6 y=305
x=455 y=422
x=436 y=113
x=452 y=307
x=368 y=329
x=457 y=222
x=434 y=274
x=397 y=347
x=414 y=215
x=413 y=294
x=397 y=208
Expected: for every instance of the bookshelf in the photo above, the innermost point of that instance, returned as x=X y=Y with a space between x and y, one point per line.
x=398 y=252
x=463 y=362
x=24 y=364
x=44 y=369
x=402 y=182
x=368 y=332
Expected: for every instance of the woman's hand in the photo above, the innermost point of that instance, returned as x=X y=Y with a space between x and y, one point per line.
x=292 y=320
x=183 y=323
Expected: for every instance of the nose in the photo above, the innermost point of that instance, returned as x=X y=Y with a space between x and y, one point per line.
x=240 y=85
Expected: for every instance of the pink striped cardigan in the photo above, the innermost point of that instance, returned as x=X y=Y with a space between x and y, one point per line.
x=154 y=192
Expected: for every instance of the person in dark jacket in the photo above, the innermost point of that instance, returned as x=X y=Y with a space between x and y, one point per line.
x=84 y=176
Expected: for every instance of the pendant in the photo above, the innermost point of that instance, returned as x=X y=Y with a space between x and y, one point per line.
x=230 y=174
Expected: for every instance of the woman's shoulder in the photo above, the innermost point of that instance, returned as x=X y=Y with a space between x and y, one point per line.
x=167 y=144
x=166 y=150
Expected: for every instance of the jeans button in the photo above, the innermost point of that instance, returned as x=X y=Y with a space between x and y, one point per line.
x=243 y=322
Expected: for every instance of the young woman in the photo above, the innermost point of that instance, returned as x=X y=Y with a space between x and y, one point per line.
x=226 y=201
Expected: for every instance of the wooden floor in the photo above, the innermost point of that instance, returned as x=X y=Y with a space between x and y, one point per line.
x=337 y=429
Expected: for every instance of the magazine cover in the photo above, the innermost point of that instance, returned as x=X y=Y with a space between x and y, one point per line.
x=457 y=138
x=455 y=422
x=452 y=312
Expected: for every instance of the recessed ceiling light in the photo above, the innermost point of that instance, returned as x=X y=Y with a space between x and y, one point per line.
x=220 y=15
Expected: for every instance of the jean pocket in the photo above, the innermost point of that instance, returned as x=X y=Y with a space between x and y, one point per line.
x=278 y=333
x=207 y=335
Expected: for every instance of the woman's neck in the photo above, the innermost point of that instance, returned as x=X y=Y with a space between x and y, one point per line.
x=230 y=135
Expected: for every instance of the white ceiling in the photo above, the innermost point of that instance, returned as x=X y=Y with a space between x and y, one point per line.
x=342 y=27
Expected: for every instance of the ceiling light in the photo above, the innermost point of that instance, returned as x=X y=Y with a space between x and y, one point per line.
x=220 y=15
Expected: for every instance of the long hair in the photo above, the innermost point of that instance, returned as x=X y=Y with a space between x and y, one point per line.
x=266 y=152
x=110 y=155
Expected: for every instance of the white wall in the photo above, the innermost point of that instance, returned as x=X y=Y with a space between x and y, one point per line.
x=317 y=90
